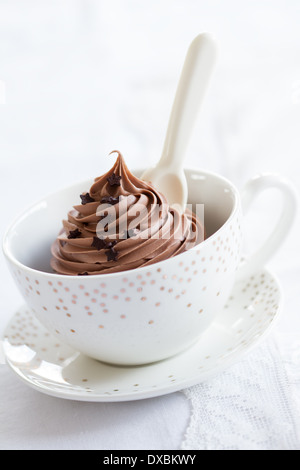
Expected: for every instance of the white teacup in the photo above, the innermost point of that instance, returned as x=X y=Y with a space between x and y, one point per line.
x=151 y=313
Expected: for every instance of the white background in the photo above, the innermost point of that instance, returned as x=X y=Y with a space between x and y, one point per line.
x=84 y=77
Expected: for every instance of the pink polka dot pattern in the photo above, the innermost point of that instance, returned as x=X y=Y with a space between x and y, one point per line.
x=172 y=294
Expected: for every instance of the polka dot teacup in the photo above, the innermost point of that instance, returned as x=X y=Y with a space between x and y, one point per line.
x=150 y=313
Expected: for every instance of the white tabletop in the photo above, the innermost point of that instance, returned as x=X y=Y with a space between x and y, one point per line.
x=79 y=78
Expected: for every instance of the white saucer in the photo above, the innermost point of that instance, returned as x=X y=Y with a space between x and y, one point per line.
x=58 y=370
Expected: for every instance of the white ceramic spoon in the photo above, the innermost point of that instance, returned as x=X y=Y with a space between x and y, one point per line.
x=168 y=175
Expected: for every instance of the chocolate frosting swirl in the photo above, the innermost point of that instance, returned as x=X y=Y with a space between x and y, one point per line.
x=123 y=223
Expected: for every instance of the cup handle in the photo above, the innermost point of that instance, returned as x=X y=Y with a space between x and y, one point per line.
x=252 y=189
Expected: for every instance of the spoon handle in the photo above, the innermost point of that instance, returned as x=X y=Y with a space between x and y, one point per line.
x=195 y=76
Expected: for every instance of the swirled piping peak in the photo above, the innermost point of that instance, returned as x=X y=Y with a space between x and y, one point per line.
x=122 y=223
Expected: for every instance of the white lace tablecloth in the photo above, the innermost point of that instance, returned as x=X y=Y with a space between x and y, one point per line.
x=254 y=405
x=79 y=78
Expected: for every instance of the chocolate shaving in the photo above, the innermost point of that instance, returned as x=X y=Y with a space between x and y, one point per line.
x=111 y=244
x=110 y=200
x=112 y=254
x=74 y=233
x=100 y=243
x=83 y=274
x=114 y=180
x=86 y=198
